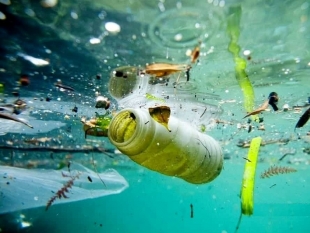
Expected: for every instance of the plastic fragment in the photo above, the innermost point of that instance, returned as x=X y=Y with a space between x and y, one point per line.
x=247 y=189
x=25 y=184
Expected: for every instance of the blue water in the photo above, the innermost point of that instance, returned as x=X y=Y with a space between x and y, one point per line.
x=276 y=33
x=156 y=203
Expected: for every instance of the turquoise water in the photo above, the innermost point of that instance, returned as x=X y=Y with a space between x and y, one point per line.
x=74 y=44
x=156 y=203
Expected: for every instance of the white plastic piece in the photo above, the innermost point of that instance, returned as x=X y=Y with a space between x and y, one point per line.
x=285 y=107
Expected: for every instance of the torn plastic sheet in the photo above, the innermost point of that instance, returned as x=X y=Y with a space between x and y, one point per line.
x=23 y=188
x=54 y=113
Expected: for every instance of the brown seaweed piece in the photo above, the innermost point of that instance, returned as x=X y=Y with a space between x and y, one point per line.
x=63 y=190
x=258 y=110
x=276 y=170
x=165 y=69
x=195 y=53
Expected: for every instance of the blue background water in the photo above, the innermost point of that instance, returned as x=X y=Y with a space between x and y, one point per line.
x=156 y=203
x=277 y=33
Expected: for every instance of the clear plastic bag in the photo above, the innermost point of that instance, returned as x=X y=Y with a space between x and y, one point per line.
x=23 y=188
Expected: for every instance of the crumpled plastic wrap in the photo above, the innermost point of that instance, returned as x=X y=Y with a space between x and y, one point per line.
x=23 y=188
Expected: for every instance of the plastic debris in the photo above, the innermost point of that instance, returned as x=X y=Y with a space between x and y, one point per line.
x=102 y=102
x=182 y=151
x=247 y=189
x=25 y=189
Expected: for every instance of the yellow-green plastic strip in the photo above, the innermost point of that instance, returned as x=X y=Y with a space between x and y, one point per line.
x=247 y=188
x=233 y=29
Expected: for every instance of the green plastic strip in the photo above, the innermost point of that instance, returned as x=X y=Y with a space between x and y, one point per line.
x=247 y=188
x=233 y=29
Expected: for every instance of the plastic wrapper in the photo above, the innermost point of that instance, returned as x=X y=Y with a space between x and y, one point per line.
x=23 y=188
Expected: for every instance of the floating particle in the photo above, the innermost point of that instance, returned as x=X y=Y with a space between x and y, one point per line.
x=195 y=53
x=1 y=88
x=192 y=210
x=119 y=74
x=24 y=80
x=29 y=12
x=2 y=16
x=102 y=102
x=74 y=15
x=249 y=128
x=178 y=37
x=285 y=107
x=15 y=93
x=75 y=109
x=34 y=60
x=60 y=85
x=94 y=41
x=49 y=3
x=247 y=54
x=112 y=27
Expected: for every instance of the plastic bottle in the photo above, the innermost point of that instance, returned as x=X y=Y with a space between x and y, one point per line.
x=184 y=152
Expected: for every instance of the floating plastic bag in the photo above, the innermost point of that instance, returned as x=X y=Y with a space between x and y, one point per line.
x=23 y=188
x=132 y=90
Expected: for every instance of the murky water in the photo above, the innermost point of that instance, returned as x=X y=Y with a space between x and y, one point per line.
x=45 y=44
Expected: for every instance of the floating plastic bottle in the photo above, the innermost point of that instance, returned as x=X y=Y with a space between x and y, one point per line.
x=182 y=152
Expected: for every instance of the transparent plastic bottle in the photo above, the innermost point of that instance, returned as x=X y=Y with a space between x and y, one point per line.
x=182 y=152
x=185 y=152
